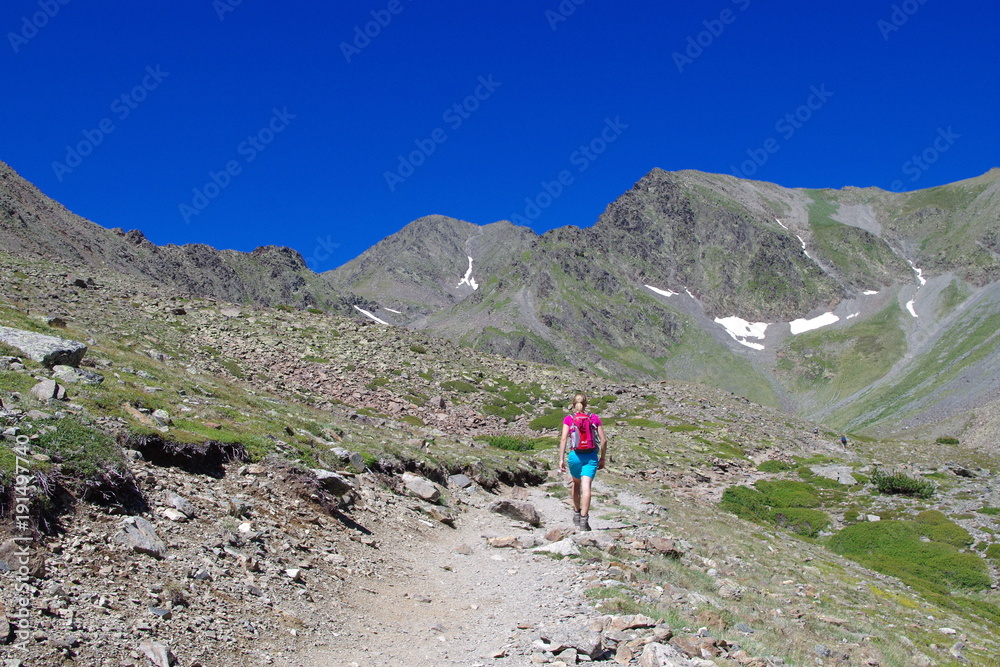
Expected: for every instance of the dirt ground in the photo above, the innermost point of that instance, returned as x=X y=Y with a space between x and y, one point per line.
x=452 y=599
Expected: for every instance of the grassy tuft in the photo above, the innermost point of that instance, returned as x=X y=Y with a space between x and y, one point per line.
x=774 y=466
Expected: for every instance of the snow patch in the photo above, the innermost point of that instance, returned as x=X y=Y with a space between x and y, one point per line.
x=870 y=292
x=804 y=251
x=392 y=311
x=367 y=314
x=802 y=325
x=664 y=292
x=740 y=330
x=909 y=307
x=779 y=222
x=688 y=292
x=852 y=316
x=468 y=279
x=919 y=272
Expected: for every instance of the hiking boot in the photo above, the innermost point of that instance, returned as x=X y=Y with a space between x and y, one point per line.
x=584 y=523
x=576 y=519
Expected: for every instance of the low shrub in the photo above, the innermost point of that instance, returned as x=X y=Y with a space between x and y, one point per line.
x=550 y=420
x=501 y=408
x=642 y=421
x=993 y=552
x=510 y=443
x=937 y=527
x=947 y=440
x=746 y=503
x=417 y=348
x=787 y=493
x=895 y=548
x=460 y=386
x=800 y=521
x=898 y=483
x=989 y=511
x=774 y=466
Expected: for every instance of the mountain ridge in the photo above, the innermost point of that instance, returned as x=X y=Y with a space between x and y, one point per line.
x=815 y=300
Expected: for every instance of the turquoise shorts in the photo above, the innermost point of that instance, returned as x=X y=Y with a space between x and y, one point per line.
x=583 y=464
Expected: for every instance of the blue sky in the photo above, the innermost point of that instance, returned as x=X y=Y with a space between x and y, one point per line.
x=328 y=126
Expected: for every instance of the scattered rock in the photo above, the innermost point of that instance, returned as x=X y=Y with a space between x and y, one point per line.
x=71 y=375
x=159 y=654
x=421 y=487
x=663 y=655
x=180 y=503
x=140 y=535
x=49 y=390
x=336 y=484
x=459 y=481
x=357 y=461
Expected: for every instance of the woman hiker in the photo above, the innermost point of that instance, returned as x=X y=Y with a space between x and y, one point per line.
x=586 y=456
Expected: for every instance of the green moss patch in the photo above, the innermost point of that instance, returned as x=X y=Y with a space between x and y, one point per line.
x=896 y=548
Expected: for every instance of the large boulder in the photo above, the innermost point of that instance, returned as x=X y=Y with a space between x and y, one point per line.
x=46 y=350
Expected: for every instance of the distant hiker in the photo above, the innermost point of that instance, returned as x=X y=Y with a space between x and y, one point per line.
x=587 y=449
x=816 y=432
x=843 y=441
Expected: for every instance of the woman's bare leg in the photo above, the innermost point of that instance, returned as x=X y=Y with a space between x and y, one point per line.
x=584 y=494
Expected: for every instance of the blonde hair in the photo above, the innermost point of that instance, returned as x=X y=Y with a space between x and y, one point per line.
x=580 y=402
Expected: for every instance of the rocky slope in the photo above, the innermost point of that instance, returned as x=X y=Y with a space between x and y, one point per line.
x=259 y=486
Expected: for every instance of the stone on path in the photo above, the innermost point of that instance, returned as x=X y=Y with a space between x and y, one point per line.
x=518 y=510
x=562 y=548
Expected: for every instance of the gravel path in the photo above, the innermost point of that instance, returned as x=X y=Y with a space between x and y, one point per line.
x=451 y=599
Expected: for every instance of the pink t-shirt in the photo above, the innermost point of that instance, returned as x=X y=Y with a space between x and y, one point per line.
x=594 y=419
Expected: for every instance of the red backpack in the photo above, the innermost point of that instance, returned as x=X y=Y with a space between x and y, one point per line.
x=583 y=434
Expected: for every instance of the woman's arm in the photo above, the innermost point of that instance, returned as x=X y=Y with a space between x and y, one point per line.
x=562 y=448
x=604 y=446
